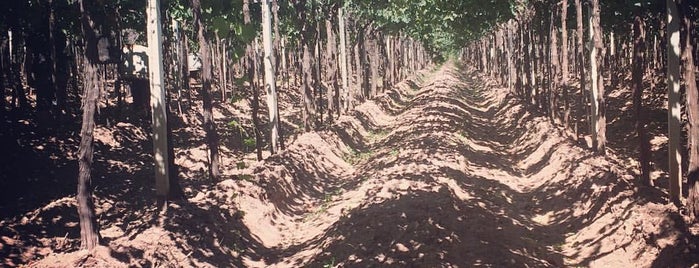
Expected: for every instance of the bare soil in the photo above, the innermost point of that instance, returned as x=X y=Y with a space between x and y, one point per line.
x=447 y=169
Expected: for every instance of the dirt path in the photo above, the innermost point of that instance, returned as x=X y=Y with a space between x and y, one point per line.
x=443 y=171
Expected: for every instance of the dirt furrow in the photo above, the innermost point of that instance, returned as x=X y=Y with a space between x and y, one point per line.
x=451 y=171
x=444 y=170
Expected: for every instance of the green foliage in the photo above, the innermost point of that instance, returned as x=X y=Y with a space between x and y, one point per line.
x=394 y=152
x=325 y=204
x=377 y=135
x=249 y=143
x=330 y=264
x=355 y=157
x=442 y=26
x=246 y=177
x=237 y=95
x=234 y=124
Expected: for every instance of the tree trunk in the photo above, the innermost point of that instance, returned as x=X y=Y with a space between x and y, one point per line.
x=554 y=70
x=692 y=111
x=309 y=110
x=331 y=70
x=374 y=63
x=270 y=78
x=509 y=55
x=246 y=11
x=611 y=56
x=19 y=98
x=224 y=71
x=3 y=101
x=528 y=60
x=206 y=77
x=277 y=38
x=317 y=73
x=518 y=49
x=597 y=97
x=674 y=110
x=280 y=51
x=89 y=228
x=178 y=82
x=564 y=42
x=389 y=62
x=581 y=66
x=297 y=59
x=285 y=69
x=157 y=100
x=655 y=51
x=398 y=48
x=343 y=60
x=640 y=118
x=53 y=57
x=183 y=69
x=286 y=77
x=564 y=63
x=533 y=75
x=357 y=94
x=254 y=84
x=363 y=62
x=534 y=58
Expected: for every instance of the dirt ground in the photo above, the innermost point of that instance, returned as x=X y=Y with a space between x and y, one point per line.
x=445 y=170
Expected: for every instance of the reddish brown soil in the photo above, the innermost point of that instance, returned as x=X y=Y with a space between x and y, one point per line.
x=445 y=170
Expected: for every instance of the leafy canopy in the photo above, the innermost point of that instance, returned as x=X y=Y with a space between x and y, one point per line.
x=443 y=26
